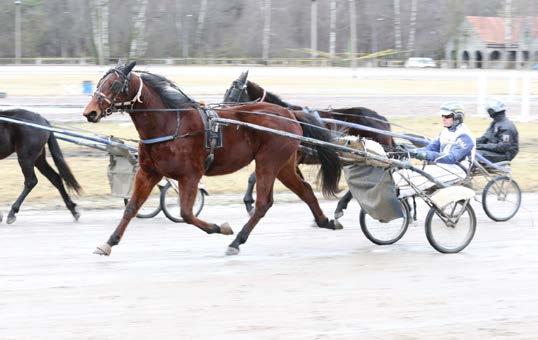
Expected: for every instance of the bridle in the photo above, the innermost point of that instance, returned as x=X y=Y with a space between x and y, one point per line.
x=234 y=93
x=121 y=86
x=118 y=87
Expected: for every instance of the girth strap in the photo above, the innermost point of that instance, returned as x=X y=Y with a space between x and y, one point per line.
x=213 y=134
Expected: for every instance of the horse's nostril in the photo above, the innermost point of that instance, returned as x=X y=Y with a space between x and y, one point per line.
x=92 y=116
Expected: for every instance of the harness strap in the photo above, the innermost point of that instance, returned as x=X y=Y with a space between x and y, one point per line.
x=164 y=138
x=213 y=134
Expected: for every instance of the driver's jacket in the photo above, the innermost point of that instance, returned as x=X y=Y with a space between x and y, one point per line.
x=501 y=137
x=452 y=146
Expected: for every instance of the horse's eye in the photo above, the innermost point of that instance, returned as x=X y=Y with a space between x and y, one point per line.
x=116 y=86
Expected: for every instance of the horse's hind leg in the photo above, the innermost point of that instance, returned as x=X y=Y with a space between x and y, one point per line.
x=30 y=181
x=43 y=166
x=289 y=176
x=342 y=205
x=248 y=199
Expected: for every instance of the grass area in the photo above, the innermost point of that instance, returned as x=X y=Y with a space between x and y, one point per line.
x=91 y=170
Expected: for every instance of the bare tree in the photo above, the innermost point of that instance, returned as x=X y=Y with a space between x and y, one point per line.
x=99 y=18
x=353 y=33
x=200 y=26
x=332 y=29
x=412 y=27
x=397 y=28
x=314 y=29
x=266 y=10
x=138 y=41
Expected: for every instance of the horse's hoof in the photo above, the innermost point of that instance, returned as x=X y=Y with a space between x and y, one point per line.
x=232 y=251
x=225 y=229
x=104 y=249
x=338 y=214
x=337 y=225
x=11 y=219
x=76 y=215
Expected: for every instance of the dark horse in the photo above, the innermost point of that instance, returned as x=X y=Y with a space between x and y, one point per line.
x=29 y=144
x=243 y=90
x=174 y=132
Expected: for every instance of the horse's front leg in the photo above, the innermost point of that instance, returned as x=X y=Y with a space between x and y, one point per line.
x=144 y=183
x=188 y=189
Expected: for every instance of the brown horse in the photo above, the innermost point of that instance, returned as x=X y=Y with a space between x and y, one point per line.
x=29 y=144
x=243 y=90
x=175 y=133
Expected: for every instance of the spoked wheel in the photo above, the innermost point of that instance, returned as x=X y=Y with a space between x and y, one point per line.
x=453 y=234
x=385 y=233
x=170 y=203
x=501 y=198
x=152 y=206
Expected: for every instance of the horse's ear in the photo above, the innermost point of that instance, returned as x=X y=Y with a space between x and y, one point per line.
x=243 y=77
x=129 y=67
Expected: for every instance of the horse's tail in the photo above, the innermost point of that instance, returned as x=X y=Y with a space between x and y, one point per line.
x=331 y=168
x=63 y=168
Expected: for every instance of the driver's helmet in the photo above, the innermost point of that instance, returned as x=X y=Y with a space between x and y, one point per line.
x=454 y=109
x=495 y=106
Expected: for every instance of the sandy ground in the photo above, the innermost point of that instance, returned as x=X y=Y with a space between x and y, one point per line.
x=291 y=280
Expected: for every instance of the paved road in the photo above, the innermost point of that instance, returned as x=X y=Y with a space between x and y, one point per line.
x=290 y=281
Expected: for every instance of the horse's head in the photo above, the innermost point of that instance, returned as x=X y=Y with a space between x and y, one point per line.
x=237 y=93
x=114 y=93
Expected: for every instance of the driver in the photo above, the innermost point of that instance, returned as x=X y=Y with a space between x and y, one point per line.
x=452 y=152
x=500 y=142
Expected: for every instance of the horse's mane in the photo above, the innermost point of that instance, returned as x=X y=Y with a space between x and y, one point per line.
x=257 y=93
x=170 y=94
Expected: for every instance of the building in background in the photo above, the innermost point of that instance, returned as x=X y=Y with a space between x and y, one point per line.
x=494 y=42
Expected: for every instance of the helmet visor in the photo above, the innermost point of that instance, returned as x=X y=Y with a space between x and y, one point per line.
x=445 y=113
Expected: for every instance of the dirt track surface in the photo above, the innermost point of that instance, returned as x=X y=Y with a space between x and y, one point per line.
x=291 y=280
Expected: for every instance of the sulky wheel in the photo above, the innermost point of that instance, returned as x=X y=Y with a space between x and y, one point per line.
x=501 y=198
x=454 y=233
x=385 y=233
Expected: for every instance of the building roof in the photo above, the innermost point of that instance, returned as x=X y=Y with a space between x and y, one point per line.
x=492 y=29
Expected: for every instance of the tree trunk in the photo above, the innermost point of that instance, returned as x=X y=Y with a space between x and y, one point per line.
x=200 y=28
x=412 y=27
x=138 y=41
x=332 y=33
x=352 y=34
x=266 y=11
x=397 y=28
x=180 y=27
x=314 y=29
x=99 y=20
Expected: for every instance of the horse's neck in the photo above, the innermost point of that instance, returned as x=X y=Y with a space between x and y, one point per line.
x=273 y=99
x=151 y=124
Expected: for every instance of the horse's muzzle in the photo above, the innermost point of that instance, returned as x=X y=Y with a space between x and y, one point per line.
x=92 y=117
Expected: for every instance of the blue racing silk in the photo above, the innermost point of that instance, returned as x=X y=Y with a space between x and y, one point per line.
x=453 y=145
